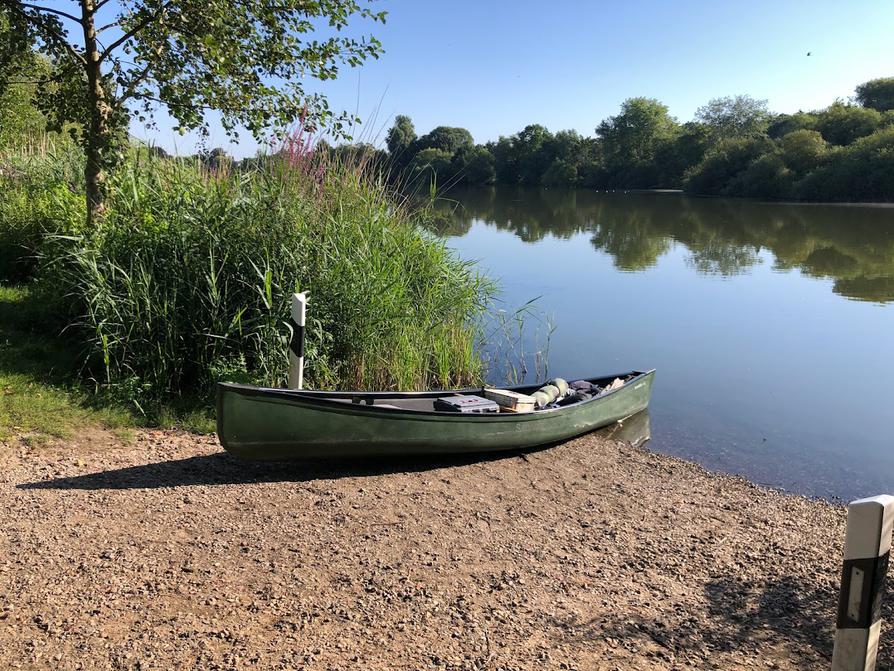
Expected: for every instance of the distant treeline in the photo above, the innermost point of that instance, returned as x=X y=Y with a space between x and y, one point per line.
x=734 y=147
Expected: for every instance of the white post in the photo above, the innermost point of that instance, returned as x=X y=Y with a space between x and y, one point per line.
x=866 y=548
x=296 y=346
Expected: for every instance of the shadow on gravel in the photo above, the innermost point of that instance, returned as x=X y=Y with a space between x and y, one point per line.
x=790 y=609
x=223 y=469
x=787 y=609
x=742 y=616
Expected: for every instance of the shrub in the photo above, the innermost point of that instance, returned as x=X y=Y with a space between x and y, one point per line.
x=766 y=177
x=724 y=162
x=862 y=171
x=842 y=124
x=803 y=150
x=189 y=276
x=474 y=166
x=783 y=124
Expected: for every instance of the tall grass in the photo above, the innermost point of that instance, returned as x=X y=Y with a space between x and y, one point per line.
x=188 y=279
x=518 y=342
x=41 y=193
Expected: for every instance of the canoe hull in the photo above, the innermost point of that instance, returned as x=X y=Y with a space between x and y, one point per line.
x=271 y=424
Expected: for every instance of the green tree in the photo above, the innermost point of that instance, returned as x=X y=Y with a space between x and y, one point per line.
x=734 y=117
x=842 y=124
x=877 y=94
x=590 y=169
x=14 y=44
x=533 y=147
x=216 y=159
x=20 y=119
x=632 y=139
x=400 y=136
x=359 y=154
x=566 y=151
x=634 y=136
x=505 y=160
x=245 y=59
x=766 y=177
x=567 y=145
x=861 y=171
x=444 y=138
x=20 y=67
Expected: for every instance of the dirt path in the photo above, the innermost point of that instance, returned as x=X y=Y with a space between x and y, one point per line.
x=168 y=554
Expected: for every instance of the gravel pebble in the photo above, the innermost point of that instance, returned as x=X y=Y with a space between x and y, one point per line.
x=167 y=553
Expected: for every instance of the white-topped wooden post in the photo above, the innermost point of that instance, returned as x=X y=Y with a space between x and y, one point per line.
x=296 y=345
x=867 y=546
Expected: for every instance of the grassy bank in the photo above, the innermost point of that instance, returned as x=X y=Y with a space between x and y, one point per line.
x=39 y=395
x=188 y=278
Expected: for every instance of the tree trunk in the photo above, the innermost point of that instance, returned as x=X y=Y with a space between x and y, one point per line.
x=98 y=133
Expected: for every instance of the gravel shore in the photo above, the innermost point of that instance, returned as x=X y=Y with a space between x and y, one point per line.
x=165 y=553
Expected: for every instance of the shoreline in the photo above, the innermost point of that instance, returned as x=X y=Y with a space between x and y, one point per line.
x=881 y=204
x=594 y=554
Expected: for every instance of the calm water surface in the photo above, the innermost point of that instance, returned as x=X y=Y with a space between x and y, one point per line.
x=771 y=325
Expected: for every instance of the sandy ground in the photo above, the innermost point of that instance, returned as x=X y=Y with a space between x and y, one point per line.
x=168 y=554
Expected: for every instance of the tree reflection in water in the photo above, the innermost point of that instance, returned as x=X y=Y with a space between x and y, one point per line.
x=851 y=245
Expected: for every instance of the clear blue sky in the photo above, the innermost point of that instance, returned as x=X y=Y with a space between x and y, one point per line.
x=495 y=66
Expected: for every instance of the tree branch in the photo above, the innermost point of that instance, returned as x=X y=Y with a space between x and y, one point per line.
x=50 y=10
x=113 y=24
x=73 y=52
x=17 y=7
x=133 y=31
x=139 y=79
x=197 y=106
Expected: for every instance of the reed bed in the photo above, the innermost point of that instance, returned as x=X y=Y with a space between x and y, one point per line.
x=187 y=280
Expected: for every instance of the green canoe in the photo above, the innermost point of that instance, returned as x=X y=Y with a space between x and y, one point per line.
x=280 y=424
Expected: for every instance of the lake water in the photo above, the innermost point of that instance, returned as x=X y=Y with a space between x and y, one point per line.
x=771 y=325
